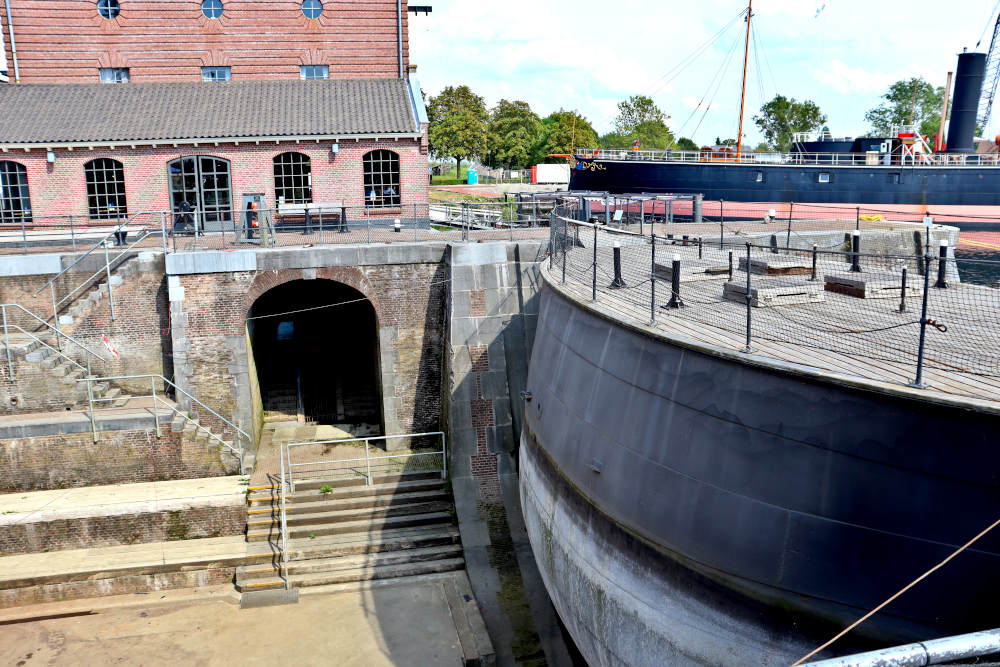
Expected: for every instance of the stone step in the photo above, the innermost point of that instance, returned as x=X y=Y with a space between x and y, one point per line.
x=305 y=531
x=269 y=497
x=340 y=483
x=353 y=503
x=312 y=565
x=318 y=516
x=357 y=574
x=376 y=541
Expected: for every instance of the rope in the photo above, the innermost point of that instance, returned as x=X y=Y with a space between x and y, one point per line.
x=896 y=595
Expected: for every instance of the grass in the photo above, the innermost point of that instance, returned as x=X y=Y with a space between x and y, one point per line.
x=326 y=488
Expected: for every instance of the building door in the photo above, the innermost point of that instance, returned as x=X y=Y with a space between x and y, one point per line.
x=204 y=182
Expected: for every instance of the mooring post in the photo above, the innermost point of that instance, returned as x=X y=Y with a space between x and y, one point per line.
x=942 y=282
x=675 y=284
x=652 y=278
x=749 y=301
x=607 y=212
x=696 y=207
x=699 y=247
x=856 y=251
x=902 y=293
x=857 y=217
x=730 y=265
x=594 y=266
x=919 y=381
x=618 y=282
x=812 y=277
x=788 y=233
x=684 y=239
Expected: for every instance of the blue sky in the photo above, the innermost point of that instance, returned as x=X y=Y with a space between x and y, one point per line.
x=589 y=54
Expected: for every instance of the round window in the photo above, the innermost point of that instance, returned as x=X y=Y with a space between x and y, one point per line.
x=312 y=9
x=211 y=8
x=108 y=8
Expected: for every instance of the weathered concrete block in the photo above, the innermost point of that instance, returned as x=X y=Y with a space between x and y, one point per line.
x=873 y=285
x=766 y=292
x=779 y=265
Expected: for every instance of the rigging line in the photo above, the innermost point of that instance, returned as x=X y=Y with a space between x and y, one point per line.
x=715 y=77
x=989 y=23
x=719 y=86
x=897 y=594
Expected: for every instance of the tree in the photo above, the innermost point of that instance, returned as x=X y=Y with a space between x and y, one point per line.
x=783 y=116
x=917 y=95
x=514 y=132
x=639 y=118
x=458 y=123
x=686 y=144
x=565 y=131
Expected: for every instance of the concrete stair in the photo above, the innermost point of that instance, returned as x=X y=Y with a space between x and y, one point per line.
x=58 y=366
x=99 y=291
x=343 y=531
x=193 y=432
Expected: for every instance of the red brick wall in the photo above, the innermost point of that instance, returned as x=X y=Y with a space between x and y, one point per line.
x=170 y=40
x=59 y=188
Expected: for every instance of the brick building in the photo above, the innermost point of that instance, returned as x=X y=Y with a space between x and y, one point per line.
x=117 y=107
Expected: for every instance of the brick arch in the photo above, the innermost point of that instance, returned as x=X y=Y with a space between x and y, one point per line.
x=351 y=276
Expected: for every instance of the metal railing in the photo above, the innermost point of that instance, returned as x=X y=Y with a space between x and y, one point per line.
x=284 y=527
x=239 y=434
x=330 y=467
x=857 y=159
x=59 y=335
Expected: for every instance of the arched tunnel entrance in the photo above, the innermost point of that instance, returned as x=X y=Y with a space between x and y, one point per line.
x=315 y=346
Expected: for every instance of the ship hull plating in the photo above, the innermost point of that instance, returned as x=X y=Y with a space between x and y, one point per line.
x=786 y=490
x=969 y=189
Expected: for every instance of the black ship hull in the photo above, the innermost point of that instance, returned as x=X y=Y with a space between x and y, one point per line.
x=645 y=457
x=955 y=190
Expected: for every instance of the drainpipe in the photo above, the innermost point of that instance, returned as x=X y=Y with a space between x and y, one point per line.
x=13 y=44
x=399 y=33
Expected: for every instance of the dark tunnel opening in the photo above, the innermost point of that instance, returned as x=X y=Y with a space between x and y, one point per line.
x=315 y=345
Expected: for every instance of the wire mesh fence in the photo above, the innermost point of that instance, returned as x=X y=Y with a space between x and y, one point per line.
x=904 y=318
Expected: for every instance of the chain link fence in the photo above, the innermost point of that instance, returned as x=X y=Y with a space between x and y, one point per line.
x=901 y=318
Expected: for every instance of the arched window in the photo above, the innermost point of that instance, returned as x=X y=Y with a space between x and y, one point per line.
x=312 y=9
x=108 y=8
x=292 y=178
x=381 y=170
x=211 y=8
x=15 y=205
x=203 y=182
x=105 y=188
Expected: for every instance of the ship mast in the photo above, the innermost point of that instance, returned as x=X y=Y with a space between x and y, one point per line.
x=743 y=93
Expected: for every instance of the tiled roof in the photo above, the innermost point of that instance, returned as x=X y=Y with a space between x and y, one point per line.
x=144 y=112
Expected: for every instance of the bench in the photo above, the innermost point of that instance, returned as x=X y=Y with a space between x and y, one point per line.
x=308 y=213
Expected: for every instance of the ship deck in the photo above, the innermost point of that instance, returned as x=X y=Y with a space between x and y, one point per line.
x=857 y=339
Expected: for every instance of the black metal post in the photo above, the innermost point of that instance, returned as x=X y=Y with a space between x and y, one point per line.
x=618 y=282
x=788 y=234
x=749 y=301
x=812 y=277
x=722 y=225
x=855 y=251
x=675 y=284
x=343 y=219
x=652 y=278
x=684 y=239
x=730 y=265
x=902 y=293
x=942 y=281
x=857 y=218
x=594 y=267
x=564 y=253
x=699 y=247
x=919 y=381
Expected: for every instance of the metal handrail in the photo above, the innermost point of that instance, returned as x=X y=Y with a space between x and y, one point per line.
x=153 y=376
x=284 y=528
x=817 y=159
x=92 y=249
x=6 y=330
x=104 y=269
x=367 y=458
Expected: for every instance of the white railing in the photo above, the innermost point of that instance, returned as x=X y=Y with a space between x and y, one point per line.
x=820 y=159
x=8 y=325
x=331 y=467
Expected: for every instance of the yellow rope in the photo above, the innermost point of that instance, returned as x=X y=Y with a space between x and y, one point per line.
x=991 y=246
x=900 y=592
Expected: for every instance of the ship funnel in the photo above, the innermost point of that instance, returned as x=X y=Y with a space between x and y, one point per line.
x=965 y=103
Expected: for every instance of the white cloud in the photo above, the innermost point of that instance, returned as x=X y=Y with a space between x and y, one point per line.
x=846 y=79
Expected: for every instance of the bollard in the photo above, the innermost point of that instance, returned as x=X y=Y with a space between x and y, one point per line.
x=902 y=293
x=942 y=283
x=675 y=284
x=855 y=251
x=749 y=301
x=730 y=265
x=652 y=279
x=812 y=276
x=699 y=247
x=397 y=226
x=774 y=244
x=684 y=239
x=618 y=282
x=696 y=208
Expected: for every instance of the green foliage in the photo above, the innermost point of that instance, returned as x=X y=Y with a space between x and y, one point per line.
x=686 y=144
x=458 y=124
x=326 y=488
x=783 y=116
x=514 y=132
x=899 y=100
x=563 y=132
x=639 y=118
x=762 y=147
